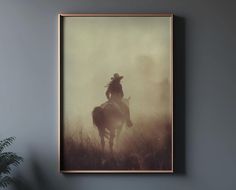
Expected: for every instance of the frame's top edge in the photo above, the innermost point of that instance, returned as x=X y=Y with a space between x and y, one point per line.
x=116 y=14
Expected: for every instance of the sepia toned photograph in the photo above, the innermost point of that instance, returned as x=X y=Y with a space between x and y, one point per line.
x=115 y=81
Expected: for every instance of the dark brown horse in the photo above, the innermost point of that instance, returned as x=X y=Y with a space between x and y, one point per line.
x=109 y=118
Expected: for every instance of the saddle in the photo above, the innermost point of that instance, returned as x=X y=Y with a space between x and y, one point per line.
x=113 y=105
x=118 y=109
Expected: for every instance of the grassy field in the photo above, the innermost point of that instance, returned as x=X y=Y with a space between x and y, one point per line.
x=146 y=146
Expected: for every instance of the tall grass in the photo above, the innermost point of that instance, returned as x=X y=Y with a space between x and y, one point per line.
x=146 y=146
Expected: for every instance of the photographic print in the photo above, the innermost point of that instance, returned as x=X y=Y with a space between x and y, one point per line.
x=115 y=93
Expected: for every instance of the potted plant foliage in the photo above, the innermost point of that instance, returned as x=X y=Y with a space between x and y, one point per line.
x=7 y=160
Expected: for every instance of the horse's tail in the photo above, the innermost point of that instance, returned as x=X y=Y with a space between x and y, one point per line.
x=98 y=117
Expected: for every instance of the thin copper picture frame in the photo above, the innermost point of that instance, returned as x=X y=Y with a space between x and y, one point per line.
x=61 y=92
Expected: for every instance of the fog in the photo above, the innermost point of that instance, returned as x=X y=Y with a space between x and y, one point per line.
x=137 y=48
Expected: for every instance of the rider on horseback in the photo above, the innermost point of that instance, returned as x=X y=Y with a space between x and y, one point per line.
x=115 y=94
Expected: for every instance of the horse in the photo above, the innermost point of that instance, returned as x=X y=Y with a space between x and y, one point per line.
x=109 y=118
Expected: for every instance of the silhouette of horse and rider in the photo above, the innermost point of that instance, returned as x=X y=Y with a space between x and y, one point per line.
x=110 y=116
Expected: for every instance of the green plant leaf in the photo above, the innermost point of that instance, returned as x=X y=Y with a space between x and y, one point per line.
x=5 y=181
x=6 y=142
x=7 y=159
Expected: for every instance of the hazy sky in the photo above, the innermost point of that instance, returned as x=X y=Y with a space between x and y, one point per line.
x=95 y=48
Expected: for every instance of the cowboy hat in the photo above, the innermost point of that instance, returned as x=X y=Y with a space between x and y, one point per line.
x=116 y=76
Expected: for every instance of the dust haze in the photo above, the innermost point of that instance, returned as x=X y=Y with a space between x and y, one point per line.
x=137 y=48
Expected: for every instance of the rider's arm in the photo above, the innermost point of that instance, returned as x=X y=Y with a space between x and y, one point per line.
x=121 y=91
x=108 y=94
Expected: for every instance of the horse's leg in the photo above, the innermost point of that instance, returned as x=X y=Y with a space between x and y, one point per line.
x=111 y=144
x=112 y=136
x=103 y=143
x=101 y=134
x=118 y=133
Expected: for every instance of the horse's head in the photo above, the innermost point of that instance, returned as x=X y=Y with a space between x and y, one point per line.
x=126 y=100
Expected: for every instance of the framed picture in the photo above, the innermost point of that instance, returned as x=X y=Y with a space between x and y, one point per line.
x=115 y=88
